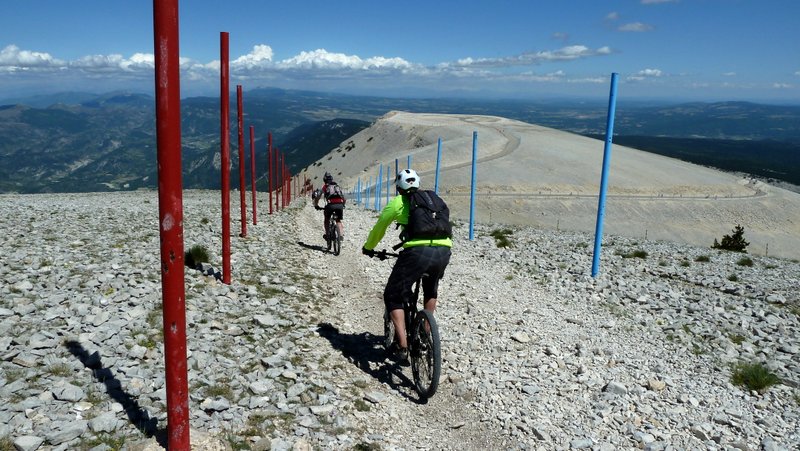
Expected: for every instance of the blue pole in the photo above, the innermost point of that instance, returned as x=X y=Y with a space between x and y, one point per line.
x=408 y=163
x=366 y=194
x=601 y=205
x=379 y=184
x=396 y=170
x=388 y=182
x=438 y=162
x=358 y=191
x=472 y=187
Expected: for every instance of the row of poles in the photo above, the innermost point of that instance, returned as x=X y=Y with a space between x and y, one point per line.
x=277 y=168
x=170 y=199
x=364 y=193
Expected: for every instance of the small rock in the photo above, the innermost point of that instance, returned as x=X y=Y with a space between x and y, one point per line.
x=521 y=337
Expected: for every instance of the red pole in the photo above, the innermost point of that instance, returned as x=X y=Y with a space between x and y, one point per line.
x=269 y=169
x=283 y=181
x=283 y=178
x=253 y=170
x=242 y=189
x=279 y=181
x=224 y=95
x=170 y=218
x=288 y=185
x=289 y=190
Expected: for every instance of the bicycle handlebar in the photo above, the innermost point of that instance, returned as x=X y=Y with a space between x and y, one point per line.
x=384 y=254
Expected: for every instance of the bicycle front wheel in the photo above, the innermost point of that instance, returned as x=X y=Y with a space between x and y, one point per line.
x=426 y=354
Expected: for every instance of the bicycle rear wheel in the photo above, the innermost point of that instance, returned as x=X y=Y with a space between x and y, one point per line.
x=329 y=236
x=426 y=354
x=337 y=239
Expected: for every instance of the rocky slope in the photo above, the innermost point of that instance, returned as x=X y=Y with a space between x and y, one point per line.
x=537 y=354
x=527 y=174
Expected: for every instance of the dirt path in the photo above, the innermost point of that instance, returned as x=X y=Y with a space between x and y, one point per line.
x=354 y=331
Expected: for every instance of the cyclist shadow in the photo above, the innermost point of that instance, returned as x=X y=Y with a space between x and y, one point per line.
x=365 y=350
x=313 y=247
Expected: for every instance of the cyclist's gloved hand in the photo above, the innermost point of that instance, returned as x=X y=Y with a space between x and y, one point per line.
x=317 y=207
x=368 y=252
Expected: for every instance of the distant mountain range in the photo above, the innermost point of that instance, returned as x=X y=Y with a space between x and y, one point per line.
x=78 y=142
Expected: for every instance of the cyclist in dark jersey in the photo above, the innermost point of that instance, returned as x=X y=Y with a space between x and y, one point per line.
x=334 y=204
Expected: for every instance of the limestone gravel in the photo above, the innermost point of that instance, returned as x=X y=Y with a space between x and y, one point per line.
x=536 y=353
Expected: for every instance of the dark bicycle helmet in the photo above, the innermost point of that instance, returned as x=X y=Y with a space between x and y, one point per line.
x=327 y=178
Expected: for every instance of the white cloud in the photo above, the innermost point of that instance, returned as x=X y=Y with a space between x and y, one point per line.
x=572 y=52
x=261 y=56
x=612 y=16
x=321 y=59
x=645 y=74
x=729 y=74
x=797 y=73
x=106 y=63
x=259 y=66
x=12 y=57
x=559 y=36
x=636 y=27
x=140 y=61
x=782 y=86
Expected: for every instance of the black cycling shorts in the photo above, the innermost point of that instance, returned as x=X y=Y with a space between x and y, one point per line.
x=335 y=209
x=428 y=262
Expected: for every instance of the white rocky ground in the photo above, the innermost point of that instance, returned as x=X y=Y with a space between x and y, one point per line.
x=537 y=354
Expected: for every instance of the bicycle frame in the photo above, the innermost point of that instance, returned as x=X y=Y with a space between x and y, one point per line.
x=424 y=351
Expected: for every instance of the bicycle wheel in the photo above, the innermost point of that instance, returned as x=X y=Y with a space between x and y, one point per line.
x=337 y=239
x=426 y=354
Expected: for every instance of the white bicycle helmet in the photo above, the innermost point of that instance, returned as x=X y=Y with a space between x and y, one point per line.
x=407 y=179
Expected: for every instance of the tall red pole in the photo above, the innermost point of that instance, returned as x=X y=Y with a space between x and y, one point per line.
x=170 y=218
x=278 y=180
x=242 y=189
x=269 y=169
x=287 y=183
x=253 y=170
x=283 y=180
x=224 y=95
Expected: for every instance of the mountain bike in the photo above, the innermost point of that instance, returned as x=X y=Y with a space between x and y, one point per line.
x=332 y=236
x=422 y=333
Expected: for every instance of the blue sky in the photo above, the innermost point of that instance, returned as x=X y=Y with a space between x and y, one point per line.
x=703 y=50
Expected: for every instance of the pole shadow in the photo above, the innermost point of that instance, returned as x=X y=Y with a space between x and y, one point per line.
x=138 y=417
x=366 y=352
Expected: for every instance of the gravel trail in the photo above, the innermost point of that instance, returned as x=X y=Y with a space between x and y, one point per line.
x=536 y=354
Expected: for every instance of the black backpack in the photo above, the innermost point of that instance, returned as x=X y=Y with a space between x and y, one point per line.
x=428 y=217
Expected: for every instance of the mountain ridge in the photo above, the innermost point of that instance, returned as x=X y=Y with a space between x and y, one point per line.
x=107 y=142
x=532 y=175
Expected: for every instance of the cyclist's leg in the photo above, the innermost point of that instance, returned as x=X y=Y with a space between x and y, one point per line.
x=399 y=322
x=436 y=259
x=326 y=216
x=339 y=222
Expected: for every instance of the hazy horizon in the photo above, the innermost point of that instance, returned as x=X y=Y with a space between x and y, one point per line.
x=661 y=49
